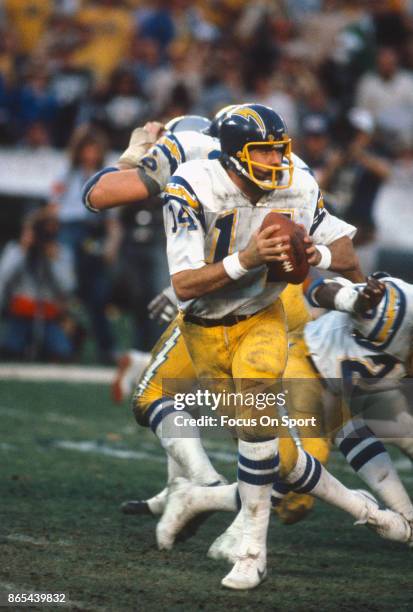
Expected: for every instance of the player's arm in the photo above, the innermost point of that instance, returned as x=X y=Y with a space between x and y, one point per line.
x=342 y=257
x=263 y=247
x=116 y=187
x=338 y=294
x=127 y=181
x=330 y=244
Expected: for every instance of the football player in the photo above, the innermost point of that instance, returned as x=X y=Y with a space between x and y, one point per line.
x=231 y=319
x=153 y=155
x=289 y=310
x=369 y=352
x=372 y=340
x=190 y=138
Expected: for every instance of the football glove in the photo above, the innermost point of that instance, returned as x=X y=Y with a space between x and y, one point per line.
x=163 y=308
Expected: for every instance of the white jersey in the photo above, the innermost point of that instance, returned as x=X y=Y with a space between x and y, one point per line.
x=368 y=350
x=208 y=217
x=172 y=150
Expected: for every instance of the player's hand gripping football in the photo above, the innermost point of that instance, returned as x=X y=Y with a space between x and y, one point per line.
x=313 y=255
x=265 y=246
x=311 y=251
x=370 y=296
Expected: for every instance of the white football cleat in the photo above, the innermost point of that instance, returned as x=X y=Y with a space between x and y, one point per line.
x=248 y=572
x=178 y=511
x=391 y=526
x=386 y=523
x=130 y=366
x=227 y=545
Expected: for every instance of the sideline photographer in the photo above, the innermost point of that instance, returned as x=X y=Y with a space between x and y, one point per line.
x=36 y=280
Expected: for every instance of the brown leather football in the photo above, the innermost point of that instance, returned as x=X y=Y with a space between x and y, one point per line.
x=295 y=269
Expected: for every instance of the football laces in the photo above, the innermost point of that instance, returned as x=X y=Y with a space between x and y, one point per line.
x=287 y=265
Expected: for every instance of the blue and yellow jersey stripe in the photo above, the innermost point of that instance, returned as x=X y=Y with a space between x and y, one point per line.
x=180 y=190
x=173 y=151
x=319 y=214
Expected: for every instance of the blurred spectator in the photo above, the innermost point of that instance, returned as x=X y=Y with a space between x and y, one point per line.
x=224 y=13
x=391 y=23
x=70 y=86
x=353 y=176
x=143 y=59
x=388 y=93
x=58 y=42
x=295 y=77
x=222 y=79
x=319 y=32
x=185 y=70
x=36 y=282
x=393 y=214
x=300 y=9
x=9 y=64
x=190 y=21
x=267 y=91
x=141 y=271
x=92 y=239
x=352 y=53
x=36 y=136
x=35 y=101
x=155 y=22
x=315 y=147
x=107 y=30
x=29 y=19
x=355 y=171
x=117 y=108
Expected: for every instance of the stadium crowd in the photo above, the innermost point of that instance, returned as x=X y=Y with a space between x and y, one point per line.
x=79 y=75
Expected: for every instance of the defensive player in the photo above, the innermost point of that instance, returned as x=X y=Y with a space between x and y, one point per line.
x=232 y=322
x=368 y=354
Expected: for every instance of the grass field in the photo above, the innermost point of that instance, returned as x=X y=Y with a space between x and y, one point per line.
x=69 y=457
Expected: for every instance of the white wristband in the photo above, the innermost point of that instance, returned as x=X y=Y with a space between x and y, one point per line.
x=233 y=267
x=345 y=299
x=325 y=261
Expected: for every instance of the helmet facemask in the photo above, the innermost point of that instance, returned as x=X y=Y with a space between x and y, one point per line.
x=247 y=165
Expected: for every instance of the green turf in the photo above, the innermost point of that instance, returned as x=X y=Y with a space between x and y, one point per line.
x=67 y=502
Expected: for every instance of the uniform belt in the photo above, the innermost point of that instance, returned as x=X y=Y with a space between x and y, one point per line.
x=226 y=321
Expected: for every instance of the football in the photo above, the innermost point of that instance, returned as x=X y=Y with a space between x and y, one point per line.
x=295 y=269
